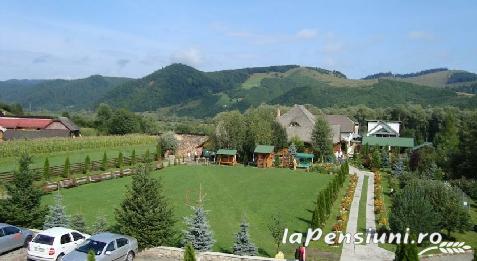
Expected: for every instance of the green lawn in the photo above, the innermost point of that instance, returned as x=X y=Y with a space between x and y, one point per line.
x=232 y=193
x=58 y=158
x=362 y=206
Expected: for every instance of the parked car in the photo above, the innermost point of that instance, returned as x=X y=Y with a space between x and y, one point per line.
x=54 y=243
x=106 y=247
x=12 y=237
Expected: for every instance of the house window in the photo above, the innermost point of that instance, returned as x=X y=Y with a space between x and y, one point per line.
x=294 y=124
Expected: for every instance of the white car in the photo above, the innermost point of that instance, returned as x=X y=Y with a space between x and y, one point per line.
x=54 y=243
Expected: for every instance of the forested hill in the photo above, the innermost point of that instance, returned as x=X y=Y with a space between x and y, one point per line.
x=58 y=94
x=184 y=91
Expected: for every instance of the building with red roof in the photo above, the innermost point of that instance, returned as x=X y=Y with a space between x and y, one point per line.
x=19 y=127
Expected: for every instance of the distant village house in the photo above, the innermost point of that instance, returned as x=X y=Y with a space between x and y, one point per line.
x=299 y=122
x=19 y=127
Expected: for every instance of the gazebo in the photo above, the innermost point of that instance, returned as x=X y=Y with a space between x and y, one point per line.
x=263 y=155
x=304 y=160
x=226 y=156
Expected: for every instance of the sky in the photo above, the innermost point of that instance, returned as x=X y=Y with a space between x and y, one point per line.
x=75 y=39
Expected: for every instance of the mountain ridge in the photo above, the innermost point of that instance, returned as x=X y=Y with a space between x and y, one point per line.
x=184 y=90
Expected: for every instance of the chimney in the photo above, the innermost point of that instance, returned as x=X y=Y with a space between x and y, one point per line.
x=278 y=112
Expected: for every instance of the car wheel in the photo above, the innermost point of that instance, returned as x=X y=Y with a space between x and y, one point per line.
x=27 y=240
x=130 y=256
x=60 y=257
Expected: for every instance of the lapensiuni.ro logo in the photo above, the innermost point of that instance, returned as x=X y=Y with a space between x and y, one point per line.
x=372 y=237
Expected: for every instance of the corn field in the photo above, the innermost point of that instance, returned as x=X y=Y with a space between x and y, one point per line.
x=14 y=148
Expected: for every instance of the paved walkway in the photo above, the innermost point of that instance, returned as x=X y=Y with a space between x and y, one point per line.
x=370 y=252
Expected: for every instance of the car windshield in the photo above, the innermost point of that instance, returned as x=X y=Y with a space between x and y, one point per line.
x=43 y=239
x=96 y=246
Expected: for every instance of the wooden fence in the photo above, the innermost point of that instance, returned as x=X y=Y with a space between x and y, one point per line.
x=75 y=168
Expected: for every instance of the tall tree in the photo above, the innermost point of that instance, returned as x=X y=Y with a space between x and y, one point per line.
x=103 y=116
x=279 y=138
x=23 y=206
x=67 y=168
x=321 y=138
x=46 y=169
x=145 y=213
x=87 y=165
x=124 y=122
x=243 y=245
x=57 y=216
x=168 y=141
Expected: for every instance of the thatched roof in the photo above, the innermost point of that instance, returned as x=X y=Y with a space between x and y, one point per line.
x=299 y=122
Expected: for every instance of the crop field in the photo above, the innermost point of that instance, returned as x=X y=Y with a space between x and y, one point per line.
x=56 y=150
x=232 y=193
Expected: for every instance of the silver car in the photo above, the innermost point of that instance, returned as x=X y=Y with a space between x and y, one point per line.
x=12 y=237
x=106 y=247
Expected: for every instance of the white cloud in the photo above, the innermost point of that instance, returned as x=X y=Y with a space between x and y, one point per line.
x=306 y=33
x=190 y=56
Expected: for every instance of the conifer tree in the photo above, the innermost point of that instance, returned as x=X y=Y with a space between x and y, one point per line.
x=147 y=157
x=56 y=216
x=158 y=151
x=104 y=162
x=77 y=223
x=406 y=252
x=198 y=231
x=87 y=165
x=91 y=255
x=66 y=168
x=46 y=169
x=23 y=206
x=120 y=160
x=189 y=253
x=316 y=217
x=133 y=158
x=145 y=213
x=99 y=225
x=243 y=245
x=321 y=138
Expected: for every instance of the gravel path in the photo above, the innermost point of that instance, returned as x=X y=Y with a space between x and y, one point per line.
x=371 y=252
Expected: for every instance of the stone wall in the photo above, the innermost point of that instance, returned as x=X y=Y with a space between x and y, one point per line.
x=176 y=254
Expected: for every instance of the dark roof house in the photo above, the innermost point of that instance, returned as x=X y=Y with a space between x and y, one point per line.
x=299 y=122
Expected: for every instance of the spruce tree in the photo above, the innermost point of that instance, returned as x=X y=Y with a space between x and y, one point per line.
x=315 y=218
x=120 y=160
x=198 y=231
x=133 y=158
x=87 y=165
x=56 y=216
x=77 y=223
x=243 y=245
x=23 y=206
x=66 y=168
x=104 y=162
x=99 y=225
x=158 y=151
x=321 y=138
x=46 y=170
x=189 y=253
x=147 y=157
x=145 y=213
x=91 y=255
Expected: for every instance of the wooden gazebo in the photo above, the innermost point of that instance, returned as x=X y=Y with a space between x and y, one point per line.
x=304 y=160
x=263 y=155
x=226 y=156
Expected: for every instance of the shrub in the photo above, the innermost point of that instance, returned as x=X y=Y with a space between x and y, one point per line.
x=46 y=169
x=104 y=162
x=67 y=168
x=168 y=141
x=189 y=253
x=87 y=165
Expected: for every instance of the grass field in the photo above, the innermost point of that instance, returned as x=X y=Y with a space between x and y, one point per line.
x=362 y=206
x=58 y=158
x=232 y=193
